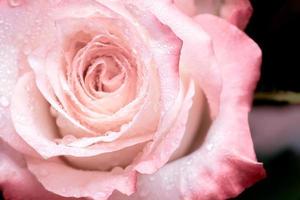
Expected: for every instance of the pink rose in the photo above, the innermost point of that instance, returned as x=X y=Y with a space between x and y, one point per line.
x=100 y=96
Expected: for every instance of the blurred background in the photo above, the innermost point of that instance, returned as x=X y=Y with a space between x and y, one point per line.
x=275 y=119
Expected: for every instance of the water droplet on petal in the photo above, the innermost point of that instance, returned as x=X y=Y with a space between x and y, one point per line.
x=189 y=162
x=68 y=139
x=60 y=122
x=209 y=147
x=100 y=195
x=152 y=178
x=2 y=116
x=28 y=88
x=15 y=3
x=4 y=101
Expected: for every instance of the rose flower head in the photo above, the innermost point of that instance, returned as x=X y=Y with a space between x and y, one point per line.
x=126 y=99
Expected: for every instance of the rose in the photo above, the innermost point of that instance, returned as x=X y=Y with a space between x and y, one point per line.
x=127 y=84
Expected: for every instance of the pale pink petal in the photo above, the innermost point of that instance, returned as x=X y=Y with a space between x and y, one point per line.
x=9 y=135
x=197 y=55
x=16 y=182
x=207 y=178
x=17 y=24
x=38 y=60
x=58 y=177
x=107 y=161
x=165 y=47
x=31 y=114
x=169 y=135
x=239 y=59
x=197 y=124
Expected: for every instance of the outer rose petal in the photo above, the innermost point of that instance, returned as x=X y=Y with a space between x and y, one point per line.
x=165 y=142
x=239 y=59
x=197 y=55
x=70 y=182
x=236 y=12
x=205 y=179
x=225 y=163
x=16 y=182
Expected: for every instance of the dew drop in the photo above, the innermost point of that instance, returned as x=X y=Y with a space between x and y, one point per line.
x=2 y=122
x=209 y=147
x=4 y=101
x=189 y=162
x=28 y=88
x=15 y=3
x=60 y=122
x=152 y=178
x=100 y=195
x=68 y=139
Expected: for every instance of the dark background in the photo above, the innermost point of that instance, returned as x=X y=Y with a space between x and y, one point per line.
x=275 y=26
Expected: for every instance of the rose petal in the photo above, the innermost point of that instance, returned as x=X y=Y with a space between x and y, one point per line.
x=16 y=181
x=236 y=54
x=37 y=61
x=30 y=113
x=165 y=47
x=206 y=179
x=197 y=55
x=169 y=135
x=70 y=182
x=9 y=135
